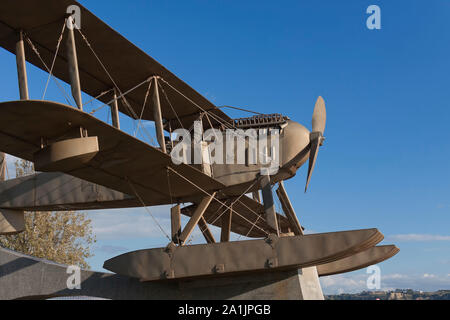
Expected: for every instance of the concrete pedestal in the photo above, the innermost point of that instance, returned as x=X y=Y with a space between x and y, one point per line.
x=23 y=276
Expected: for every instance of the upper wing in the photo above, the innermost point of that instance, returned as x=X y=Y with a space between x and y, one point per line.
x=128 y=66
x=123 y=163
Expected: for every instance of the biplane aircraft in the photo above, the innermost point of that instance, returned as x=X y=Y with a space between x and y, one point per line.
x=85 y=163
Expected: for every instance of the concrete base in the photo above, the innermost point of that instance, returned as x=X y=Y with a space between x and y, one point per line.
x=23 y=276
x=310 y=284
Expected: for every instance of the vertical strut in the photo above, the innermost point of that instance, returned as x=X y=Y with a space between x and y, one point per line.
x=115 y=111
x=73 y=65
x=226 y=226
x=206 y=231
x=289 y=210
x=157 y=116
x=269 y=206
x=2 y=166
x=255 y=195
x=175 y=222
x=21 y=68
x=198 y=213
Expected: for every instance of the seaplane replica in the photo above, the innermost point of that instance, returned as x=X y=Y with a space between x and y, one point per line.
x=84 y=163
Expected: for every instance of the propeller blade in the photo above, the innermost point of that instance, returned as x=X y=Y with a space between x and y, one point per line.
x=319 y=117
x=314 y=150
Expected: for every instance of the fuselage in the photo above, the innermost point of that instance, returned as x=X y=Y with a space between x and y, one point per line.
x=243 y=165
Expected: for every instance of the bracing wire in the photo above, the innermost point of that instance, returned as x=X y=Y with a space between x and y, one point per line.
x=221 y=202
x=50 y=74
x=143 y=108
x=36 y=51
x=148 y=211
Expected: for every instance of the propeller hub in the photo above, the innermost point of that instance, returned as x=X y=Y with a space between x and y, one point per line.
x=317 y=135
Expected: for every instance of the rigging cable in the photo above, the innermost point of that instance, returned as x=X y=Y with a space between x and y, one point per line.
x=250 y=111
x=130 y=110
x=146 y=209
x=35 y=50
x=143 y=107
x=250 y=222
x=107 y=73
x=215 y=117
x=170 y=104
x=54 y=58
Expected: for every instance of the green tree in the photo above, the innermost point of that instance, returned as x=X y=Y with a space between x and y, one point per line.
x=63 y=237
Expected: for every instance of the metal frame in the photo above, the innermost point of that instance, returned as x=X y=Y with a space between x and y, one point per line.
x=73 y=64
x=288 y=209
x=115 y=111
x=21 y=68
x=157 y=116
x=269 y=205
x=198 y=214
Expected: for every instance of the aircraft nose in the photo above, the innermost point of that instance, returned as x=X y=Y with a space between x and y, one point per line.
x=295 y=140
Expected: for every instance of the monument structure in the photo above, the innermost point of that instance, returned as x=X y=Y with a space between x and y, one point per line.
x=216 y=171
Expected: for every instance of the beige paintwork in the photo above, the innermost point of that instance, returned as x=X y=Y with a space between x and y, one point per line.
x=57 y=137
x=175 y=262
x=11 y=221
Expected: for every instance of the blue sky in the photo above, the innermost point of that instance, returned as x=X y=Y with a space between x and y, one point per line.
x=385 y=159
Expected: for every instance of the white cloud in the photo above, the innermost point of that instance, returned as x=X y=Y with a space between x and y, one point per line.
x=418 y=237
x=356 y=282
x=343 y=284
x=131 y=223
x=395 y=276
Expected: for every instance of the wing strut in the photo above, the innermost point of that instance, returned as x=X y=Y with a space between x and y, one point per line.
x=21 y=68
x=269 y=206
x=73 y=65
x=115 y=111
x=288 y=209
x=226 y=226
x=198 y=214
x=157 y=115
x=203 y=226
x=253 y=224
x=175 y=222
